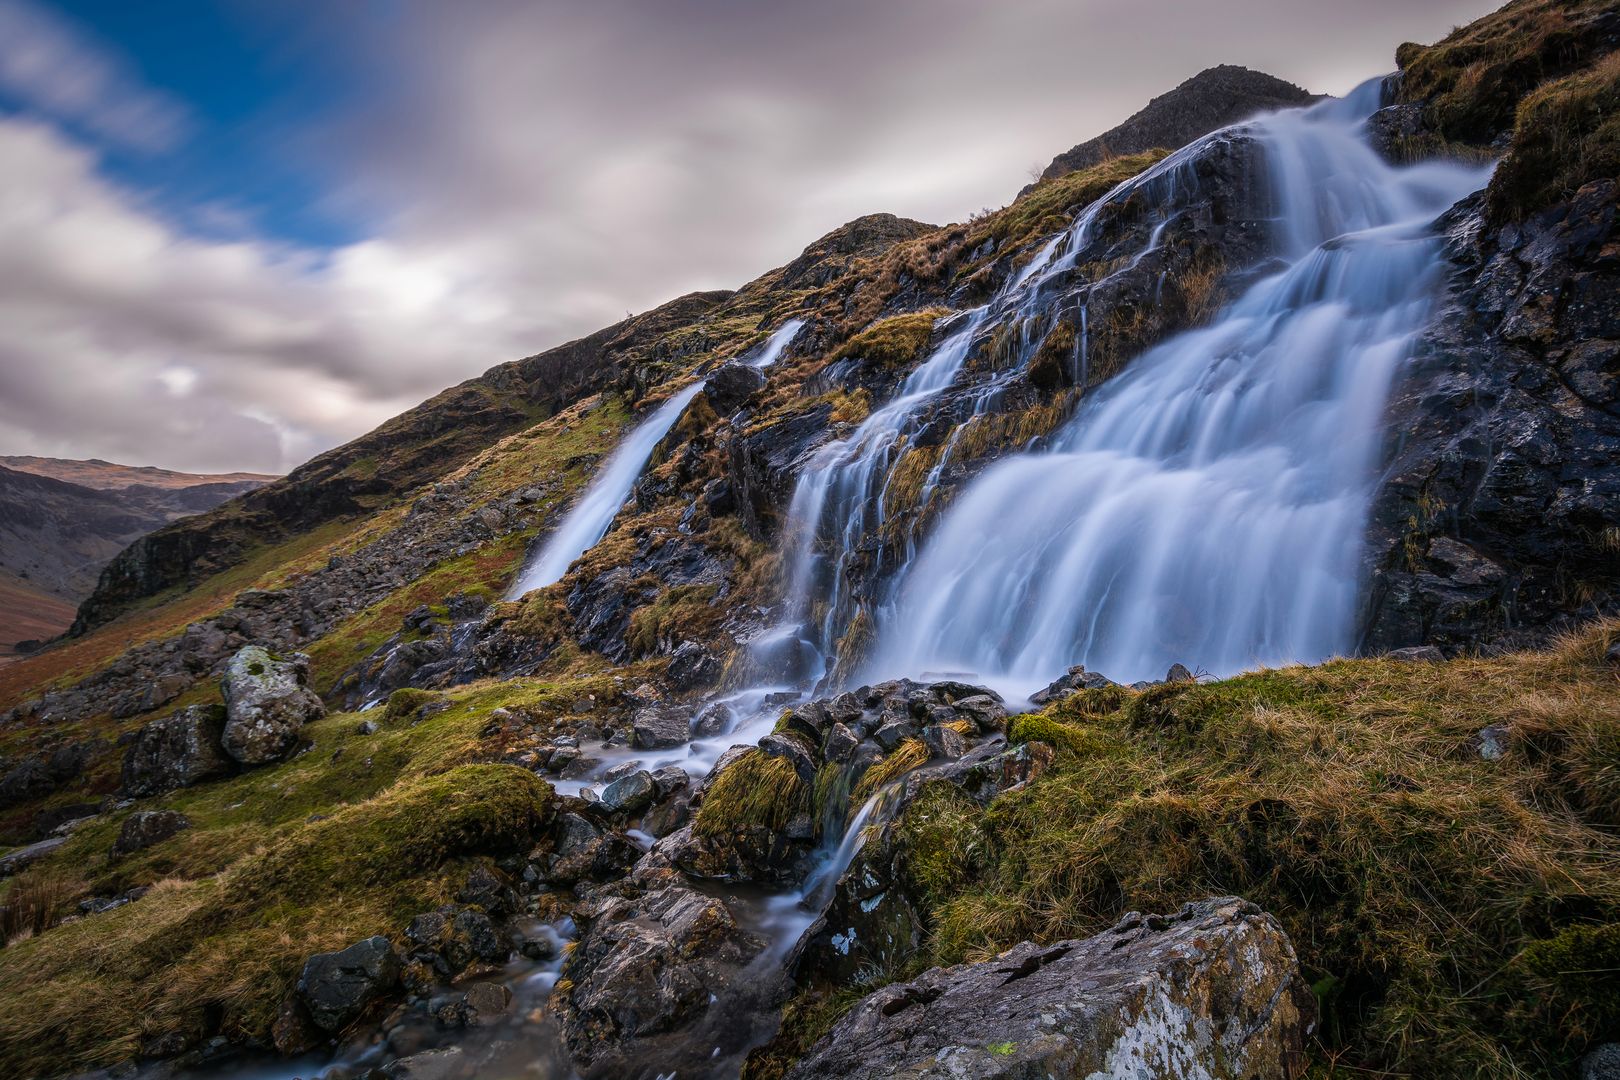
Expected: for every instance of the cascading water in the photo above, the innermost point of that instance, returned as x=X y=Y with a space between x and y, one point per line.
x=589 y=520
x=1208 y=504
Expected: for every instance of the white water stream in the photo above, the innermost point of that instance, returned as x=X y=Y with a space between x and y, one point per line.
x=590 y=518
x=1208 y=504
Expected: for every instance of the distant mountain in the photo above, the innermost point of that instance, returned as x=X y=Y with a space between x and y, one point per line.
x=62 y=521
x=1212 y=99
x=110 y=476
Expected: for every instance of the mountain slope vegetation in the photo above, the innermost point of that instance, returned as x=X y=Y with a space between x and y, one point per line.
x=1436 y=836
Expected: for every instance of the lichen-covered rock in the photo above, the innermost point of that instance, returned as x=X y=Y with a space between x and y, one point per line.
x=1212 y=992
x=337 y=987
x=177 y=751
x=144 y=828
x=267 y=703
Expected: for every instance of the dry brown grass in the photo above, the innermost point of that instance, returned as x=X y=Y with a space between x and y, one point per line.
x=1435 y=897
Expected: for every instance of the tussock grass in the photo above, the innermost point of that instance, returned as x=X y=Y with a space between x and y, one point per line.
x=756 y=790
x=895 y=342
x=1566 y=134
x=908 y=755
x=1459 y=916
x=1474 y=77
x=221 y=953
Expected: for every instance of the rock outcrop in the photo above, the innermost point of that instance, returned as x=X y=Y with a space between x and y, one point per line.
x=1212 y=99
x=267 y=703
x=1212 y=991
x=177 y=751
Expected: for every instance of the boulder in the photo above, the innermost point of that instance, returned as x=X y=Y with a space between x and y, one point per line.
x=1602 y=1063
x=1416 y=654
x=629 y=794
x=732 y=384
x=648 y=967
x=656 y=728
x=1213 y=991
x=144 y=828
x=267 y=703
x=337 y=987
x=177 y=751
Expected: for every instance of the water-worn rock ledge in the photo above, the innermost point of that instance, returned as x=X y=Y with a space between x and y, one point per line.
x=1212 y=992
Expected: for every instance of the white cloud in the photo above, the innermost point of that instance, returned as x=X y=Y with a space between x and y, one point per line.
x=536 y=169
x=56 y=70
x=127 y=339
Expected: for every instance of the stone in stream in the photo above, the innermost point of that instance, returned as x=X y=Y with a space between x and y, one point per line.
x=267 y=703
x=337 y=987
x=659 y=727
x=177 y=751
x=629 y=794
x=1212 y=991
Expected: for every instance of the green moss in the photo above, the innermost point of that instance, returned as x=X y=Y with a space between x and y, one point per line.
x=1036 y=727
x=406 y=702
x=684 y=611
x=755 y=790
x=223 y=952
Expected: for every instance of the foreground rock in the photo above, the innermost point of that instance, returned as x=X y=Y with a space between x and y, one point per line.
x=337 y=987
x=1212 y=991
x=144 y=828
x=657 y=979
x=267 y=703
x=177 y=751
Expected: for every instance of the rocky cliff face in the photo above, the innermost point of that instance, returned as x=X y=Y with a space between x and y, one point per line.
x=1213 y=98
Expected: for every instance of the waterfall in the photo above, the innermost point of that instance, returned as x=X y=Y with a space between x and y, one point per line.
x=588 y=521
x=1208 y=504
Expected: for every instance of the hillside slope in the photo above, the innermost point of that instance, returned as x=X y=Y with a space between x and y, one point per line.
x=1432 y=827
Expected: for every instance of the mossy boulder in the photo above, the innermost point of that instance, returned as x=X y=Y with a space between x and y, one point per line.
x=267 y=703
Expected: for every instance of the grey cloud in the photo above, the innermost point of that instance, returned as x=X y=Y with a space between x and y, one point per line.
x=534 y=170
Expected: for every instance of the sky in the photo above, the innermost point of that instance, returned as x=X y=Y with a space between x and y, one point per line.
x=235 y=234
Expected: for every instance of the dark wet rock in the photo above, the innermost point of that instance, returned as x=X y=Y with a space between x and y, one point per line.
x=337 y=987
x=267 y=703
x=1487 y=531
x=602 y=858
x=447 y=1063
x=1213 y=990
x=647 y=968
x=840 y=744
x=481 y=1003
x=25 y=782
x=177 y=751
x=486 y=889
x=629 y=794
x=661 y=726
x=668 y=816
x=730 y=385
x=144 y=828
x=670 y=779
x=1602 y=1063
x=692 y=666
